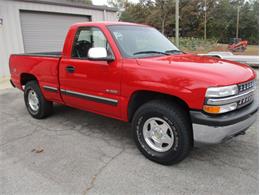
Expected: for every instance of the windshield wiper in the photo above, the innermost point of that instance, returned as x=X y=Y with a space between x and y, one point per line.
x=173 y=51
x=148 y=52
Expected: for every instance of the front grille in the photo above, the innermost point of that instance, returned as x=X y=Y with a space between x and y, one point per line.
x=245 y=100
x=246 y=86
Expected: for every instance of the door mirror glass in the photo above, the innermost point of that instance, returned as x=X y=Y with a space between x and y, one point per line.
x=98 y=53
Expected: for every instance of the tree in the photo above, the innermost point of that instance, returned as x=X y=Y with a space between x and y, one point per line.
x=138 y=13
x=191 y=18
x=119 y=4
x=249 y=22
x=163 y=9
x=221 y=17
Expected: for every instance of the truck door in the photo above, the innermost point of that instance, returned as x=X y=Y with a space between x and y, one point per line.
x=87 y=84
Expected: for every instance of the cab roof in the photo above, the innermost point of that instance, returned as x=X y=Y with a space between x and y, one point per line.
x=105 y=23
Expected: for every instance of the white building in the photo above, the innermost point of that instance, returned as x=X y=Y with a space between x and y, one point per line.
x=41 y=25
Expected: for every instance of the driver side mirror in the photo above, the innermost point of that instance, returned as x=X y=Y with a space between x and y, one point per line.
x=99 y=54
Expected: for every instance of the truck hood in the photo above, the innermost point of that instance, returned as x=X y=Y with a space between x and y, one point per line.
x=213 y=71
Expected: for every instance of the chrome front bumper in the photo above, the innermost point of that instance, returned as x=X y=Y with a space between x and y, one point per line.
x=216 y=129
x=203 y=134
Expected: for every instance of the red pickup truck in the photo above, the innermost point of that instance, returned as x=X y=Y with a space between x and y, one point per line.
x=133 y=73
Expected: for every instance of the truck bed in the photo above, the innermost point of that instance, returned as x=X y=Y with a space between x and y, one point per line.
x=44 y=66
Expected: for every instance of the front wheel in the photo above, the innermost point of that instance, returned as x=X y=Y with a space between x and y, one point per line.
x=162 y=132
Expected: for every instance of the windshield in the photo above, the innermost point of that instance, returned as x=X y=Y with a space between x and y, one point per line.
x=141 y=41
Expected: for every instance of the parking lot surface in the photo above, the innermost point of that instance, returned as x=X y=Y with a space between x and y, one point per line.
x=76 y=152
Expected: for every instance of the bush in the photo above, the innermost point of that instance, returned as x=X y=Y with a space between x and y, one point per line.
x=195 y=44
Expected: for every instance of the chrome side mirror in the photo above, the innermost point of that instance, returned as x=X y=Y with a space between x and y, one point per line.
x=99 y=54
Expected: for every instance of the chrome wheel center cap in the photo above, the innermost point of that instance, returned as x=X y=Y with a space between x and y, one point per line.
x=157 y=133
x=33 y=100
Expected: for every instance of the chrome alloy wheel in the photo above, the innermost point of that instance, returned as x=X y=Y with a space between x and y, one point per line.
x=33 y=100
x=158 y=134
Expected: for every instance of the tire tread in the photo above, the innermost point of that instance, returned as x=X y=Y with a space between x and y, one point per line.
x=173 y=111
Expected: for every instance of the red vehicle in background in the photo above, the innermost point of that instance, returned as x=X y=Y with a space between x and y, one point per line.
x=237 y=45
x=133 y=73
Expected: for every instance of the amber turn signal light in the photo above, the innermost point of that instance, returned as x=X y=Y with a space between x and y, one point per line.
x=219 y=109
x=212 y=109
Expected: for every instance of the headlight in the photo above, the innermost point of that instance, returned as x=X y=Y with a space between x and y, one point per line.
x=222 y=91
x=222 y=96
x=220 y=100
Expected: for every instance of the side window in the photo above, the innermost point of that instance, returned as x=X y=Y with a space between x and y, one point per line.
x=87 y=38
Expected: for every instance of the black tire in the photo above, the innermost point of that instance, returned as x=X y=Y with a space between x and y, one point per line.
x=45 y=108
x=176 y=118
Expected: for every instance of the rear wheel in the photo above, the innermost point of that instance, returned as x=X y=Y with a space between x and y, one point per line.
x=162 y=132
x=36 y=104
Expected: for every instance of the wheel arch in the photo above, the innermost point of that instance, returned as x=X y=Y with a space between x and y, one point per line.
x=140 y=97
x=26 y=77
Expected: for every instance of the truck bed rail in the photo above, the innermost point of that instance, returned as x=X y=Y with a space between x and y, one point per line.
x=55 y=54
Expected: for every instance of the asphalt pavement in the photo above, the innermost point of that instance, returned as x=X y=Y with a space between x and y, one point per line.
x=76 y=152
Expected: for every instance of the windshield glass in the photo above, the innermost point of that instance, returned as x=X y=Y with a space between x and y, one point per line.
x=141 y=41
